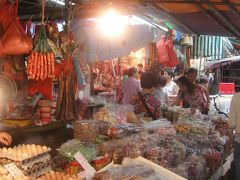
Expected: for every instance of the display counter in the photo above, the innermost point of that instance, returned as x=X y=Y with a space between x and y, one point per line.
x=51 y=135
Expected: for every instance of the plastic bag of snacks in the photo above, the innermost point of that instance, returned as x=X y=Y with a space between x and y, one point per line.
x=166 y=131
x=86 y=131
x=70 y=148
x=127 y=172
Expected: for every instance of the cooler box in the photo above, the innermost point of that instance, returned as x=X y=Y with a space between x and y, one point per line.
x=226 y=88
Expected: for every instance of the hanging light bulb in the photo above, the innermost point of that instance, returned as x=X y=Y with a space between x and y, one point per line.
x=112 y=24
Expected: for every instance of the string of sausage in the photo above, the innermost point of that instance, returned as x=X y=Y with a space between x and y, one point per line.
x=41 y=65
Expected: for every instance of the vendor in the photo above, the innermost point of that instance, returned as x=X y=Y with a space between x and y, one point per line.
x=131 y=86
x=5 y=138
x=145 y=102
x=194 y=94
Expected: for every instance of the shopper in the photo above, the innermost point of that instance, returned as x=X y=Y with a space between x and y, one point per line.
x=5 y=138
x=192 y=74
x=171 y=87
x=145 y=102
x=140 y=69
x=194 y=94
x=204 y=82
x=125 y=76
x=131 y=86
x=234 y=123
x=159 y=93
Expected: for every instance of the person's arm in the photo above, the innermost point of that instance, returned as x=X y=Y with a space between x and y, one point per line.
x=176 y=102
x=166 y=98
x=5 y=138
x=139 y=86
x=179 y=99
x=175 y=89
x=206 y=93
x=233 y=113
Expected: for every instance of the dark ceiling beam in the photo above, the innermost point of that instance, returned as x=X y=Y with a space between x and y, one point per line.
x=233 y=8
x=172 y=18
x=215 y=20
x=225 y=20
x=51 y=13
x=194 y=2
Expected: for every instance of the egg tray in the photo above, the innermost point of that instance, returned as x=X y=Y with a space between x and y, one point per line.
x=34 y=168
x=28 y=165
x=38 y=169
x=22 y=161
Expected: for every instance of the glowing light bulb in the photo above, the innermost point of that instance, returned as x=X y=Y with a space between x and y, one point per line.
x=112 y=24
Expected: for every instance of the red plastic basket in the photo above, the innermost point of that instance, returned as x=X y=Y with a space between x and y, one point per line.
x=226 y=88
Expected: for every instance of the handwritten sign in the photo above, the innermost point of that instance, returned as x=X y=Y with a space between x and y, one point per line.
x=89 y=170
x=14 y=170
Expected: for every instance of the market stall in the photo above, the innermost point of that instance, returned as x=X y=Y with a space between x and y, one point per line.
x=58 y=135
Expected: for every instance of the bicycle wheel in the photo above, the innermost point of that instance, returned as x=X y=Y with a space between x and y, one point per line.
x=222 y=114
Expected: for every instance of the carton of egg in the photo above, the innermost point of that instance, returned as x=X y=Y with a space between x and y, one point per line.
x=58 y=176
x=5 y=175
x=23 y=152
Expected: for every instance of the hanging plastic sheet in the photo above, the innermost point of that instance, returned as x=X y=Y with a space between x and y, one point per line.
x=80 y=77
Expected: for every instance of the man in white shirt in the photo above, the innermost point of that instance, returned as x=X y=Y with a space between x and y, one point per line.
x=171 y=87
x=234 y=123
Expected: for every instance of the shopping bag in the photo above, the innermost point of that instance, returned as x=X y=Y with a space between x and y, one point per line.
x=171 y=54
x=162 y=53
x=13 y=38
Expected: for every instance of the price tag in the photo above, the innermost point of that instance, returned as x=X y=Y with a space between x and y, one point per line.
x=14 y=170
x=89 y=170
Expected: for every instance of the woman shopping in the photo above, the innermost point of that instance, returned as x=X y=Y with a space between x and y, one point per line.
x=145 y=102
x=131 y=86
x=195 y=94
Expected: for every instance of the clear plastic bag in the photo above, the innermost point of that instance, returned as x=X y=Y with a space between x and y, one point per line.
x=70 y=148
x=126 y=172
x=86 y=131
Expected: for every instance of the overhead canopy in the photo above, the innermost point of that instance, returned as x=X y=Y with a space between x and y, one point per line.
x=212 y=17
x=95 y=46
x=223 y=62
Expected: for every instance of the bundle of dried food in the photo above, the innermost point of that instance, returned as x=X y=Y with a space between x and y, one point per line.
x=66 y=104
x=166 y=131
x=213 y=158
x=41 y=62
x=183 y=129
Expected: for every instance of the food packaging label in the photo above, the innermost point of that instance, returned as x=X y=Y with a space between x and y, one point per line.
x=89 y=170
x=14 y=170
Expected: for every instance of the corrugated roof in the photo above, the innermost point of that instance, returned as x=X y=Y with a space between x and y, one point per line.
x=210 y=17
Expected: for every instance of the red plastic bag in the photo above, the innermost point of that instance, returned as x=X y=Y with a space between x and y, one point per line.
x=6 y=16
x=15 y=41
x=162 y=53
x=171 y=54
x=44 y=87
